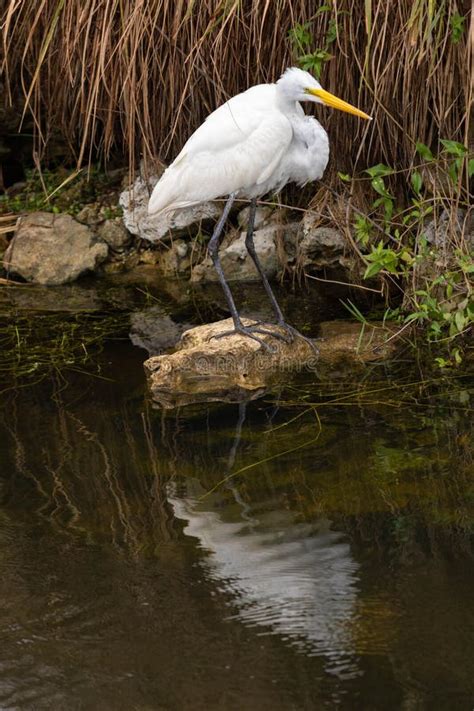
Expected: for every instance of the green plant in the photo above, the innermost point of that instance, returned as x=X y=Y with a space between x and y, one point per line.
x=457 y=25
x=32 y=348
x=301 y=38
x=63 y=190
x=433 y=265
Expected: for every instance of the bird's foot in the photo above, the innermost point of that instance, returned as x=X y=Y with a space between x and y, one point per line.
x=293 y=333
x=250 y=332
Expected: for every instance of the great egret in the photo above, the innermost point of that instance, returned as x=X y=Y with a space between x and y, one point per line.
x=254 y=144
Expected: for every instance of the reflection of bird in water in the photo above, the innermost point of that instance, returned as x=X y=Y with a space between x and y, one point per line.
x=254 y=144
x=298 y=580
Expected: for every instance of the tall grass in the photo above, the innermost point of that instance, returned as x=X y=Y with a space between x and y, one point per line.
x=137 y=76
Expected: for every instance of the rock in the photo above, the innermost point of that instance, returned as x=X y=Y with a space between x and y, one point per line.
x=262 y=217
x=114 y=233
x=69 y=298
x=53 y=249
x=350 y=341
x=153 y=330
x=150 y=256
x=320 y=247
x=90 y=215
x=176 y=259
x=229 y=369
x=134 y=202
x=236 y=262
x=209 y=369
x=440 y=231
x=3 y=243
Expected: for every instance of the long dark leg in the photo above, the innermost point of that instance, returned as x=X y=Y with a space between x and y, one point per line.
x=213 y=249
x=249 y=243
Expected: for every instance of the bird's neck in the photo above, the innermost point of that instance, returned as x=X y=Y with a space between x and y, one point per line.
x=288 y=106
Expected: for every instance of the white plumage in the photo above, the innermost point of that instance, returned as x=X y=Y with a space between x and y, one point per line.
x=253 y=144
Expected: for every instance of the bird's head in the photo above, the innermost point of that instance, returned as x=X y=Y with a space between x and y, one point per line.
x=298 y=85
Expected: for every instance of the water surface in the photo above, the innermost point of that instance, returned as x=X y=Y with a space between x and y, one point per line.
x=311 y=549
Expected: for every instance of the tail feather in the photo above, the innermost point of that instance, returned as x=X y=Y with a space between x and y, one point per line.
x=163 y=197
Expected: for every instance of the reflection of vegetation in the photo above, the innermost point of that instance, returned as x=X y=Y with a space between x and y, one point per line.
x=92 y=477
x=385 y=456
x=393 y=458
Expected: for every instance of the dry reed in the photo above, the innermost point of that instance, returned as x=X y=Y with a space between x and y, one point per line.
x=137 y=76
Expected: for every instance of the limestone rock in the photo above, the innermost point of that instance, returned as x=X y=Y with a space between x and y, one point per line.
x=114 y=233
x=53 y=249
x=126 y=262
x=134 y=202
x=150 y=256
x=90 y=215
x=262 y=217
x=439 y=232
x=176 y=259
x=236 y=262
x=154 y=330
x=208 y=369
x=349 y=341
x=320 y=246
x=3 y=243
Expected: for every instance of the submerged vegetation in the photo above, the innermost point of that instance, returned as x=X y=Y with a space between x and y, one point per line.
x=33 y=348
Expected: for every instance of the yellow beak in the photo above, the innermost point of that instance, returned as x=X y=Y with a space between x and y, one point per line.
x=335 y=103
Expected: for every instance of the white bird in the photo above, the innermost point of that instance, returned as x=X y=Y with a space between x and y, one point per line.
x=254 y=144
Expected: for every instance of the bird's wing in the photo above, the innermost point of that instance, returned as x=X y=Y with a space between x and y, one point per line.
x=238 y=146
x=231 y=123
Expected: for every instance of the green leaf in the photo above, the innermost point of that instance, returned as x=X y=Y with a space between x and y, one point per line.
x=345 y=177
x=354 y=311
x=424 y=151
x=457 y=24
x=460 y=320
x=470 y=167
x=457 y=356
x=314 y=62
x=453 y=172
x=416 y=181
x=378 y=170
x=379 y=187
x=362 y=229
x=372 y=270
x=301 y=36
x=453 y=147
x=415 y=316
x=388 y=208
x=323 y=8
x=331 y=34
